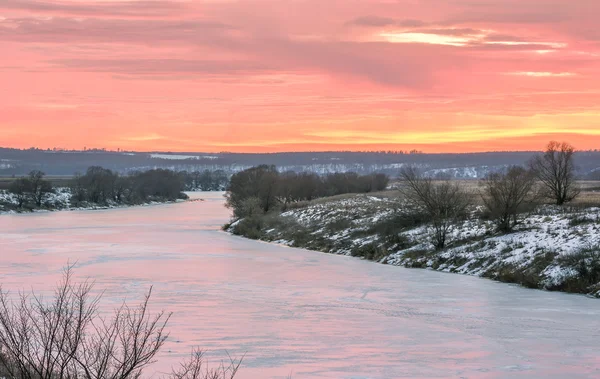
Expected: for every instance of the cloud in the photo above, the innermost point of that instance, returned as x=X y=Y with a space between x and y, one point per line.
x=69 y=30
x=408 y=23
x=409 y=65
x=457 y=32
x=380 y=62
x=139 y=67
x=135 y=9
x=532 y=47
x=426 y=38
x=379 y=21
x=516 y=17
x=499 y=37
x=372 y=21
x=543 y=74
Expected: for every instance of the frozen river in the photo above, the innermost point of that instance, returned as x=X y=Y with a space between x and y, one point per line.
x=293 y=311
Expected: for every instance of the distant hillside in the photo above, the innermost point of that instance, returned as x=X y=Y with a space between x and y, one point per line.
x=474 y=165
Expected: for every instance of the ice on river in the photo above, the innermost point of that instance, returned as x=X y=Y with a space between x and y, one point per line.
x=293 y=311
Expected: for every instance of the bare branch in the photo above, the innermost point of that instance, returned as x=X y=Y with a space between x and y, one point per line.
x=443 y=201
x=66 y=338
x=555 y=169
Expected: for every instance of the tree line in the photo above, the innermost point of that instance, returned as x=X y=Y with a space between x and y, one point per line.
x=262 y=188
x=206 y=180
x=103 y=186
x=506 y=195
x=99 y=185
x=438 y=203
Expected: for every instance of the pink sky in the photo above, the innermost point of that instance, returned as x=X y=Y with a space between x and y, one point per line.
x=282 y=75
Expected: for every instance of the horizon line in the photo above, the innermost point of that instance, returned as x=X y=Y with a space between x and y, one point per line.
x=170 y=152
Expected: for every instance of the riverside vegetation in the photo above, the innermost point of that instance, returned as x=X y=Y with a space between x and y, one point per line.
x=69 y=337
x=533 y=225
x=101 y=187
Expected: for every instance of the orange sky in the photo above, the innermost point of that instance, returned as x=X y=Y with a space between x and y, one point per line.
x=298 y=75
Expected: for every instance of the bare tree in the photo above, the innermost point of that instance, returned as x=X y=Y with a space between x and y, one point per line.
x=120 y=348
x=287 y=189
x=39 y=187
x=508 y=194
x=39 y=340
x=443 y=201
x=68 y=338
x=555 y=169
x=21 y=189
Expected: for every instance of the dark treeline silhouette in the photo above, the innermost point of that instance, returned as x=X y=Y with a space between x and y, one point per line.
x=64 y=163
x=262 y=188
x=31 y=190
x=205 y=180
x=103 y=186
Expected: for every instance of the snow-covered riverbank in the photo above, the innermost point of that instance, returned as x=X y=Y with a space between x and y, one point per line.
x=60 y=200
x=553 y=248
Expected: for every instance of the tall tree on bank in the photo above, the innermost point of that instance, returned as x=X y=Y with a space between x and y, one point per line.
x=555 y=169
x=443 y=201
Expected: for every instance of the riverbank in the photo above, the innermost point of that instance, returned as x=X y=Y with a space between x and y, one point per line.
x=61 y=200
x=554 y=248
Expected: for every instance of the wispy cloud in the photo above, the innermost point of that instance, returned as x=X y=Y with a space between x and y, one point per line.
x=542 y=74
x=144 y=138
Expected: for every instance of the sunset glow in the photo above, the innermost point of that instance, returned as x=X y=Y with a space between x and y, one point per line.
x=308 y=75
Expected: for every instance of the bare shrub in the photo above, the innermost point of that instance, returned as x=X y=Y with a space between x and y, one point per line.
x=555 y=169
x=443 y=201
x=508 y=194
x=20 y=188
x=586 y=264
x=194 y=368
x=67 y=338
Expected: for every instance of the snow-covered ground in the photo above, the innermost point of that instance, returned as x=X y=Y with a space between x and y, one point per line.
x=550 y=248
x=60 y=199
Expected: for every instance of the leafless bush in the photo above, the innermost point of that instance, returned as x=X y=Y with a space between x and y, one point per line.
x=508 y=194
x=67 y=338
x=443 y=201
x=555 y=169
x=194 y=368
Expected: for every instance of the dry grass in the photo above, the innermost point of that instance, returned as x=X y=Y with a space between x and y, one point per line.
x=589 y=197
